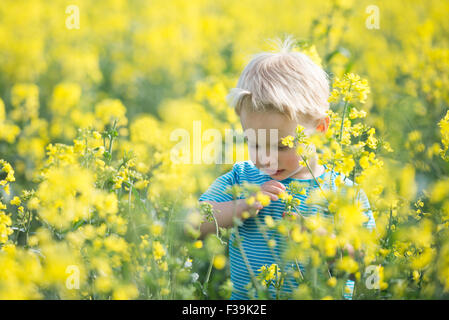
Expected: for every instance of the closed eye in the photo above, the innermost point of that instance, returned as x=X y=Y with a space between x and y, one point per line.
x=250 y=144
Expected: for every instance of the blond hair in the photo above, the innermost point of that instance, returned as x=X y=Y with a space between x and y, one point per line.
x=286 y=81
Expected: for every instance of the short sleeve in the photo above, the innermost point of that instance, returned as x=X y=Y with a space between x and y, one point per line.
x=370 y=224
x=218 y=189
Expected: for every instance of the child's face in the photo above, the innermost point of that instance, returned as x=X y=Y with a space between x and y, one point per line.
x=279 y=166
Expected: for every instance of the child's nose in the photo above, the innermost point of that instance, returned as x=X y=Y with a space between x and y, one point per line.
x=264 y=162
x=267 y=162
x=264 y=158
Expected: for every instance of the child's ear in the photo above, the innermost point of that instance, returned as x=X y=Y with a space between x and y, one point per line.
x=323 y=124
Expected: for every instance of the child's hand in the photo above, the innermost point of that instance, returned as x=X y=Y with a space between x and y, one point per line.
x=349 y=249
x=271 y=189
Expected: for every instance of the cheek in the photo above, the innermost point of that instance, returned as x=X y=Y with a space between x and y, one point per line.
x=289 y=158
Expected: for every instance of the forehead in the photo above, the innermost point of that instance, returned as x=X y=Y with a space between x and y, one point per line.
x=267 y=120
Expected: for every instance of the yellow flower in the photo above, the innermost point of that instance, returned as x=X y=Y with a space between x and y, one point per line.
x=347 y=264
x=15 y=201
x=158 y=250
x=444 y=131
x=332 y=282
x=269 y=221
x=156 y=229
x=282 y=229
x=198 y=244
x=6 y=188
x=288 y=141
x=5 y=230
x=10 y=172
x=65 y=97
x=116 y=244
x=350 y=87
x=364 y=162
x=354 y=114
x=219 y=261
x=330 y=246
x=141 y=184
x=33 y=203
x=250 y=201
x=263 y=199
x=103 y=284
x=163 y=266
x=335 y=94
x=296 y=234
x=371 y=141
x=25 y=100
x=285 y=196
x=125 y=292
x=165 y=291
x=270 y=273
x=416 y=275
x=110 y=109
x=2 y=111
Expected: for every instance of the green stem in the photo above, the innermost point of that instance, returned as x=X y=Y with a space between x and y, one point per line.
x=129 y=205
x=299 y=269
x=265 y=235
x=314 y=283
x=111 y=140
x=217 y=232
x=343 y=120
x=278 y=283
x=209 y=271
x=245 y=258
x=341 y=127
x=387 y=240
x=311 y=172
x=28 y=228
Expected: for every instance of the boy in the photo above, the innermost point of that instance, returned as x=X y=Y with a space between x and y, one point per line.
x=275 y=93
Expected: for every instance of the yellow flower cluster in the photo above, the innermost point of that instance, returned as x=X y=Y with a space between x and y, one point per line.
x=270 y=275
x=350 y=88
x=75 y=201
x=444 y=130
x=109 y=110
x=112 y=221
x=8 y=131
x=7 y=168
x=25 y=100
x=5 y=225
x=288 y=141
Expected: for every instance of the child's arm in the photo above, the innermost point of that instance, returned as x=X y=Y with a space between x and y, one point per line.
x=224 y=211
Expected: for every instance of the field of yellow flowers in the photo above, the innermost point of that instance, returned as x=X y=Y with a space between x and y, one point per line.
x=94 y=207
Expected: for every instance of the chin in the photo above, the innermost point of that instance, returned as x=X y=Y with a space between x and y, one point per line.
x=279 y=173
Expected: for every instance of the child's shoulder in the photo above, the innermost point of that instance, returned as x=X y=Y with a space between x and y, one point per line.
x=247 y=171
x=340 y=177
x=244 y=166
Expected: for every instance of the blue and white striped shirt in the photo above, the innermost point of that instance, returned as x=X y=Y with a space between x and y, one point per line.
x=253 y=241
